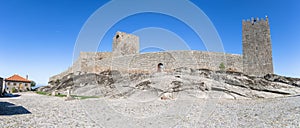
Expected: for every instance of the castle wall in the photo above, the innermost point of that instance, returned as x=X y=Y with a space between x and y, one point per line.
x=148 y=62
x=84 y=63
x=173 y=59
x=89 y=59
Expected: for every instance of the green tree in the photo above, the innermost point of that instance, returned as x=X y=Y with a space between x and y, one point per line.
x=222 y=66
x=33 y=83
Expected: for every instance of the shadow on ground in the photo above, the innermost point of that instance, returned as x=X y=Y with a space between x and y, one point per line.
x=9 y=109
x=9 y=95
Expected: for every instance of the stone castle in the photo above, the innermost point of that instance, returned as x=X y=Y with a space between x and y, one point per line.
x=125 y=57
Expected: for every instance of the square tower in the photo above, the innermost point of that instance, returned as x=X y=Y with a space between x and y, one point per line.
x=125 y=44
x=257 y=47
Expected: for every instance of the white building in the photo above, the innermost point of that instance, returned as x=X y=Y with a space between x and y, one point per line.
x=17 y=83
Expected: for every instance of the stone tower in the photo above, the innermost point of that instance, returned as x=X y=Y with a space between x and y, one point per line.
x=125 y=44
x=257 y=47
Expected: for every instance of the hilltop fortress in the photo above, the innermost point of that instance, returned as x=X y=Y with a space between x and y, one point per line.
x=125 y=57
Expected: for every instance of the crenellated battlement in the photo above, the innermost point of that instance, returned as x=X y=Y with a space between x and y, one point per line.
x=256 y=20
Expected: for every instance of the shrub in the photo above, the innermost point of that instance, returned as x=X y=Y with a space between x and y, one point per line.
x=14 y=90
x=222 y=66
x=57 y=81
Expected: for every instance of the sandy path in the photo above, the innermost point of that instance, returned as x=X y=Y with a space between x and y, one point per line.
x=33 y=110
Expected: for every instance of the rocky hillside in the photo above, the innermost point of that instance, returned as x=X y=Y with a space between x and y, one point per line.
x=180 y=83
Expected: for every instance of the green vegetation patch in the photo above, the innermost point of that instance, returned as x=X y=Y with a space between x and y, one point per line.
x=84 y=97
x=61 y=95
x=42 y=93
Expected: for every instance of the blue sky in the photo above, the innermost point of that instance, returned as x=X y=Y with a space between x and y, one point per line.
x=37 y=37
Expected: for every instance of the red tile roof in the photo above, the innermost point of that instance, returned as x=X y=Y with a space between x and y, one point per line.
x=17 y=78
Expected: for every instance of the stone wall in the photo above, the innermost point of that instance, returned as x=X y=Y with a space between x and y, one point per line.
x=191 y=59
x=148 y=62
x=257 y=49
x=84 y=63
x=88 y=60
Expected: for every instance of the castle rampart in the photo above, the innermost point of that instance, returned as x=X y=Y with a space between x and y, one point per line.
x=256 y=59
x=148 y=62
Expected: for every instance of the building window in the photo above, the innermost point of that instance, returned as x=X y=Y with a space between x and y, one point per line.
x=15 y=83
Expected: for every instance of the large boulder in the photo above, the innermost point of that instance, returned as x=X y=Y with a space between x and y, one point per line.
x=181 y=82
